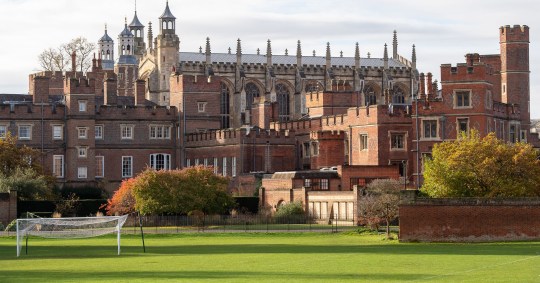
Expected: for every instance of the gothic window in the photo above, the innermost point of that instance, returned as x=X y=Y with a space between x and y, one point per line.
x=252 y=91
x=283 y=102
x=370 y=95
x=399 y=95
x=225 y=111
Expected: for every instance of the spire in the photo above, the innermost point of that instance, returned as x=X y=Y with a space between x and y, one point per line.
x=357 y=56
x=105 y=37
x=328 y=56
x=341 y=54
x=314 y=54
x=268 y=53
x=167 y=13
x=385 y=56
x=298 y=54
x=135 y=23
x=126 y=32
x=394 y=46
x=229 y=50
x=413 y=58
x=207 y=50
x=150 y=35
x=286 y=52
x=238 y=52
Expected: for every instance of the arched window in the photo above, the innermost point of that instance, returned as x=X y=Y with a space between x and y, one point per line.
x=283 y=102
x=370 y=95
x=225 y=96
x=252 y=91
x=399 y=95
x=160 y=161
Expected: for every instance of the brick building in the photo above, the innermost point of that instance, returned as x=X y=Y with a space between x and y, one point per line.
x=160 y=106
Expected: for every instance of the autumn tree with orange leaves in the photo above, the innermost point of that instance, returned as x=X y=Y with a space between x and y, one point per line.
x=122 y=202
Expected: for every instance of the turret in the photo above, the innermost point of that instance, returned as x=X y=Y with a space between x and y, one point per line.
x=137 y=29
x=394 y=46
x=125 y=41
x=167 y=22
x=106 y=51
x=298 y=54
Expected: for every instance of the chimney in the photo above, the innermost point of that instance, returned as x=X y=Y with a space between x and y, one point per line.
x=140 y=91
x=109 y=91
x=39 y=89
x=422 y=85
x=429 y=85
x=74 y=62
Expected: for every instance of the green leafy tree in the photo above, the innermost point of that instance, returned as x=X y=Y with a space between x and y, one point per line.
x=471 y=166
x=181 y=191
x=28 y=183
x=380 y=203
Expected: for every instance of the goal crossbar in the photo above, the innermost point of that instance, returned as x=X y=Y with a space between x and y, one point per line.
x=69 y=227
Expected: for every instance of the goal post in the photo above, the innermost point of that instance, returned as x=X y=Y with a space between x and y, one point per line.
x=69 y=227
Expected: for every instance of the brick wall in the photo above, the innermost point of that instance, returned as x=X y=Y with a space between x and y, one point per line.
x=8 y=207
x=469 y=220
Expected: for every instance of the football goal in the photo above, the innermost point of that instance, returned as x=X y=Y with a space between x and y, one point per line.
x=70 y=227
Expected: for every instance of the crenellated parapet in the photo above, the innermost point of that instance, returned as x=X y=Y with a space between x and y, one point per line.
x=238 y=136
x=146 y=113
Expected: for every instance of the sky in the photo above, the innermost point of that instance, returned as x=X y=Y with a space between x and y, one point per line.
x=443 y=31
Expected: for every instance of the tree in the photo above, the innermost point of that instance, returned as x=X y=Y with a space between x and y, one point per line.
x=14 y=158
x=181 y=191
x=52 y=60
x=83 y=50
x=28 y=183
x=380 y=202
x=59 y=59
x=123 y=201
x=472 y=166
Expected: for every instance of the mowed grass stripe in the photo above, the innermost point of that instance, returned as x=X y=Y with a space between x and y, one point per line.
x=244 y=257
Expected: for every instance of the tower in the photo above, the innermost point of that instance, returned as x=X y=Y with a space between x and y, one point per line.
x=126 y=67
x=137 y=29
x=514 y=45
x=106 y=51
x=167 y=48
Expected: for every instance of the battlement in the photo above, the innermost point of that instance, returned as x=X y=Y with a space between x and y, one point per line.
x=234 y=136
x=516 y=33
x=25 y=111
x=80 y=85
x=471 y=71
x=125 y=112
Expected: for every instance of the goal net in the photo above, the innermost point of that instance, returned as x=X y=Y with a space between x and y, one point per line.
x=70 y=227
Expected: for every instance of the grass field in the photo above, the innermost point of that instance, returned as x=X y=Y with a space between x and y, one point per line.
x=245 y=257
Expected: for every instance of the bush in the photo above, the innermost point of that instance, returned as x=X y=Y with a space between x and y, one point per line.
x=290 y=210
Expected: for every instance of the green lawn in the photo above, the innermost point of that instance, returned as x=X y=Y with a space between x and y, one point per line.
x=245 y=257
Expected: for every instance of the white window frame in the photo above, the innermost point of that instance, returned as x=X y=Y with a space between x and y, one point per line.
x=224 y=167
x=83 y=105
x=127 y=174
x=458 y=92
x=363 y=141
x=128 y=134
x=82 y=172
x=458 y=120
x=61 y=159
x=196 y=161
x=188 y=162
x=393 y=135
x=215 y=165
x=423 y=124
x=3 y=131
x=233 y=166
x=98 y=134
x=82 y=151
x=166 y=161
x=29 y=136
x=324 y=184
x=205 y=162
x=57 y=131
x=82 y=133
x=159 y=132
x=101 y=161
